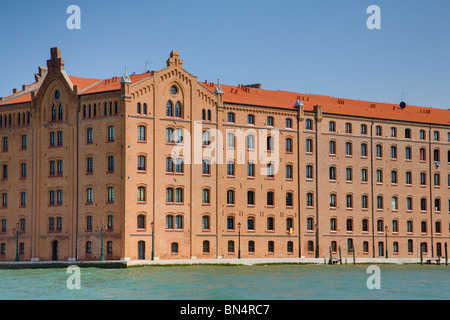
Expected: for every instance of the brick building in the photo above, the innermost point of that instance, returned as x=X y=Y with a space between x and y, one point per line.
x=161 y=165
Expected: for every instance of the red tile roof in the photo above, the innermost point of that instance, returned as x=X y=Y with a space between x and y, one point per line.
x=332 y=105
x=82 y=83
x=19 y=99
x=88 y=84
x=113 y=84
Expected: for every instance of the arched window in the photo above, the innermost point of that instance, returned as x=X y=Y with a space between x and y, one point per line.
x=230 y=223
x=436 y=155
x=231 y=246
x=169 y=109
x=309 y=145
x=289 y=145
x=206 y=246
x=141 y=221
x=205 y=223
x=332 y=126
x=332 y=173
x=169 y=195
x=230 y=117
x=271 y=246
x=206 y=197
x=179 y=222
x=169 y=135
x=178 y=110
x=169 y=222
x=251 y=198
x=89 y=196
x=141 y=133
x=348 y=127
x=179 y=195
x=349 y=223
x=230 y=140
x=332 y=147
x=88 y=247
x=289 y=199
x=308 y=124
x=270 y=224
x=141 y=194
x=348 y=149
x=230 y=197
x=53 y=113
x=270 y=198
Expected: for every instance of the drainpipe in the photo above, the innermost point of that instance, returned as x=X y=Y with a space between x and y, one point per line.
x=76 y=192
x=298 y=187
x=371 y=187
x=431 y=191
x=317 y=188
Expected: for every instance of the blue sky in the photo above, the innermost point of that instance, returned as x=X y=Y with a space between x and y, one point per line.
x=308 y=46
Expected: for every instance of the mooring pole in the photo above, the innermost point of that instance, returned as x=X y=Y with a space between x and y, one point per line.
x=340 y=255
x=446 y=254
x=331 y=256
x=421 y=253
x=354 y=262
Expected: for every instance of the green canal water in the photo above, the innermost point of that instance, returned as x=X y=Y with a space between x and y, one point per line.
x=269 y=282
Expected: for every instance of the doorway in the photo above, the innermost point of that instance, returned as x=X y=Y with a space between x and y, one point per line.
x=141 y=250
x=55 y=249
x=380 y=249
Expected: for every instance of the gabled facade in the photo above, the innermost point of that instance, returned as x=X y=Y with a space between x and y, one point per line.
x=160 y=165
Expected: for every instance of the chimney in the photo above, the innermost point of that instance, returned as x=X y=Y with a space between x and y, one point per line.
x=55 y=63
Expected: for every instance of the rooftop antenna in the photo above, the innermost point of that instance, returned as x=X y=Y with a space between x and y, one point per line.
x=147 y=63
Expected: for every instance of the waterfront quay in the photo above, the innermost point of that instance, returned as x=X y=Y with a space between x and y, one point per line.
x=118 y=264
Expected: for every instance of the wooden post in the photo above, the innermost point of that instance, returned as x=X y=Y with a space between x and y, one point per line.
x=446 y=254
x=354 y=262
x=331 y=257
x=421 y=253
x=340 y=256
